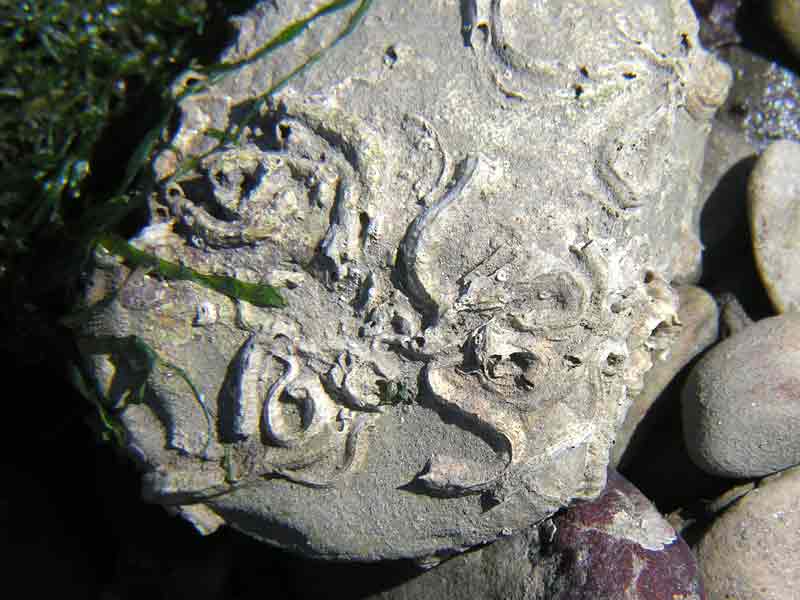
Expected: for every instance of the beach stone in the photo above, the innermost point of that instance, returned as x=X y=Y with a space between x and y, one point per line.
x=786 y=17
x=472 y=211
x=774 y=202
x=615 y=547
x=741 y=402
x=751 y=550
x=699 y=318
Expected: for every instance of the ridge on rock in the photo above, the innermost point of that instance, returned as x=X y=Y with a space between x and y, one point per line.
x=474 y=211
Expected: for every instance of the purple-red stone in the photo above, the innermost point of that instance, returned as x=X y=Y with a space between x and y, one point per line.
x=618 y=546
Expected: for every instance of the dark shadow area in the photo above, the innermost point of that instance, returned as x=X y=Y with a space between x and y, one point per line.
x=663 y=470
x=728 y=262
x=660 y=466
x=72 y=521
x=758 y=34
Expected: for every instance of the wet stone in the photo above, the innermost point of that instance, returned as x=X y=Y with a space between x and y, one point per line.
x=764 y=98
x=786 y=18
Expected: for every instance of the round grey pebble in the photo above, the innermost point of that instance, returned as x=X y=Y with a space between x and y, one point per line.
x=751 y=550
x=741 y=403
x=774 y=196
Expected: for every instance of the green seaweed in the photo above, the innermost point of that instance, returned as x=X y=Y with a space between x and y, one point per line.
x=258 y=294
x=394 y=392
x=293 y=30
x=68 y=69
x=112 y=429
x=152 y=361
x=71 y=72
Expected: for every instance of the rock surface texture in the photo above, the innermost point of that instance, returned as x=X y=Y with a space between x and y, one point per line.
x=751 y=550
x=741 y=403
x=774 y=202
x=473 y=210
x=699 y=318
x=617 y=547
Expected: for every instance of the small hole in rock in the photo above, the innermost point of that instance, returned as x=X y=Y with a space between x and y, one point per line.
x=523 y=361
x=364 y=222
x=738 y=109
x=629 y=75
x=390 y=56
x=578 y=91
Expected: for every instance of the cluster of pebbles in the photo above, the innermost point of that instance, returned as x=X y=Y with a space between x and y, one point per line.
x=741 y=404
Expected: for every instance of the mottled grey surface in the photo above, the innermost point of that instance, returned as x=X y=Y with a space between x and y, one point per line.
x=475 y=209
x=763 y=99
x=751 y=549
x=741 y=402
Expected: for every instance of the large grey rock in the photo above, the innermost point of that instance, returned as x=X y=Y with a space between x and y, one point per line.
x=741 y=403
x=751 y=550
x=774 y=202
x=617 y=547
x=475 y=209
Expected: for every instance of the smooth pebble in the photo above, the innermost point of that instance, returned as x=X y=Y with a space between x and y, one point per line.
x=752 y=550
x=774 y=203
x=741 y=402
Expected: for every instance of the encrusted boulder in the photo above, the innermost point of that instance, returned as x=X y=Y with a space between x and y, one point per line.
x=473 y=211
